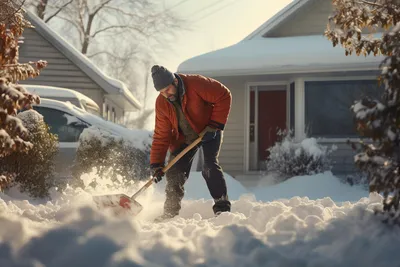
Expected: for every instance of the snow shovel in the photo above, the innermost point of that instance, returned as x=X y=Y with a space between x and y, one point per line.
x=123 y=204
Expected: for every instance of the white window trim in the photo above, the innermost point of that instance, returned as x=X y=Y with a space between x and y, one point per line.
x=299 y=109
x=246 y=148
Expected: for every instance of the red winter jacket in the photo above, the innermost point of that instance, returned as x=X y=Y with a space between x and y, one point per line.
x=204 y=101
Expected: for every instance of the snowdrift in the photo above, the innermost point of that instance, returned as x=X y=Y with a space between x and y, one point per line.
x=286 y=231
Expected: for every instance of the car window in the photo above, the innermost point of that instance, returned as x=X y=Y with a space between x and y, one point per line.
x=66 y=126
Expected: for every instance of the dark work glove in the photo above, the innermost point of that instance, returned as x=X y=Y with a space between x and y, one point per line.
x=157 y=174
x=210 y=134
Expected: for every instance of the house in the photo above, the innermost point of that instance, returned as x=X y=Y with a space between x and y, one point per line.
x=69 y=68
x=287 y=75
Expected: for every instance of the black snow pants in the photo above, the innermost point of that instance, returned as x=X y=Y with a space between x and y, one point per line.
x=212 y=172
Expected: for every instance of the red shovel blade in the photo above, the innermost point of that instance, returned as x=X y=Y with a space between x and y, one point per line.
x=119 y=203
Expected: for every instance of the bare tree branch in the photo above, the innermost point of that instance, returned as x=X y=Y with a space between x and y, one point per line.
x=121 y=11
x=100 y=7
x=118 y=27
x=75 y=24
x=58 y=11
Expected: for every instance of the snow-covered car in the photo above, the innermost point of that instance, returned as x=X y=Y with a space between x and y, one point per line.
x=65 y=95
x=69 y=122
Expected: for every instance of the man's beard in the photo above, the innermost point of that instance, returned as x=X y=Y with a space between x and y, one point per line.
x=172 y=98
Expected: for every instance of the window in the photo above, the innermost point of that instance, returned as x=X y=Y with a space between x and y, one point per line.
x=328 y=103
x=66 y=126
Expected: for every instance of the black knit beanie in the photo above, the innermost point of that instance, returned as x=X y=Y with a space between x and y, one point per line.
x=162 y=77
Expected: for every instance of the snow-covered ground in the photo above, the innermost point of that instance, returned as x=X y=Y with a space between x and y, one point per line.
x=296 y=223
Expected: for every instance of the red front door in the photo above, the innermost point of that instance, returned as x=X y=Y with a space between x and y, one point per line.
x=271 y=119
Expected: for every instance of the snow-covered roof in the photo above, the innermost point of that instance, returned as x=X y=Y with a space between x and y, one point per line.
x=301 y=54
x=278 y=18
x=115 y=88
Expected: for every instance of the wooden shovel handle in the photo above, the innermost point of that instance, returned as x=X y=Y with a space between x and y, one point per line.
x=172 y=162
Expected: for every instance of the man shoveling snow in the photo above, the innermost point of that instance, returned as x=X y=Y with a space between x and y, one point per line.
x=187 y=105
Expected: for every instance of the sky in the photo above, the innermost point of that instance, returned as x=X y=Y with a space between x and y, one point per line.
x=216 y=24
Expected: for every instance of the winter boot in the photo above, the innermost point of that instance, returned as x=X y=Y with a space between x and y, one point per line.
x=221 y=205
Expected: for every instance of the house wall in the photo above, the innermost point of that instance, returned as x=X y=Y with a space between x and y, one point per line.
x=233 y=151
x=60 y=71
x=110 y=107
x=233 y=156
x=311 y=19
x=318 y=10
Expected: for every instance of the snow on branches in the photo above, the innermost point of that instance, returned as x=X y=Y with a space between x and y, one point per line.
x=378 y=120
x=353 y=16
x=14 y=97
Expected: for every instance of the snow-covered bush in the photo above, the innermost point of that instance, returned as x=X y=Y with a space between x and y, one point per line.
x=289 y=158
x=13 y=97
x=33 y=170
x=110 y=156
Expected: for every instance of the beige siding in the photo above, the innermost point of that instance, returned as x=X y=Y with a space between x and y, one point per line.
x=232 y=151
x=311 y=19
x=60 y=71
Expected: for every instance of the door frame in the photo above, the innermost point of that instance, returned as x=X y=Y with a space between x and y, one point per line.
x=246 y=147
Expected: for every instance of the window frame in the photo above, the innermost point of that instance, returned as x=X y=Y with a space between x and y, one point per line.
x=334 y=79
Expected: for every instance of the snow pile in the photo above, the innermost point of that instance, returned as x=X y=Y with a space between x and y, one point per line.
x=30 y=119
x=298 y=231
x=104 y=137
x=314 y=187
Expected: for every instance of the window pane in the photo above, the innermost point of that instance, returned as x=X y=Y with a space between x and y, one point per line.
x=327 y=106
x=66 y=126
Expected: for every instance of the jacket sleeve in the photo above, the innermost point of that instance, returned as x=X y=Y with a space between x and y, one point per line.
x=161 y=137
x=214 y=92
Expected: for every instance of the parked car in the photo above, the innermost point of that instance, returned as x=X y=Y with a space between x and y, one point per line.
x=66 y=95
x=69 y=121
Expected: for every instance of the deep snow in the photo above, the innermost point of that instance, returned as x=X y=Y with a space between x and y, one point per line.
x=260 y=231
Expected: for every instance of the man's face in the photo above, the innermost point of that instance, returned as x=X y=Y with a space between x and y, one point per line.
x=170 y=92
